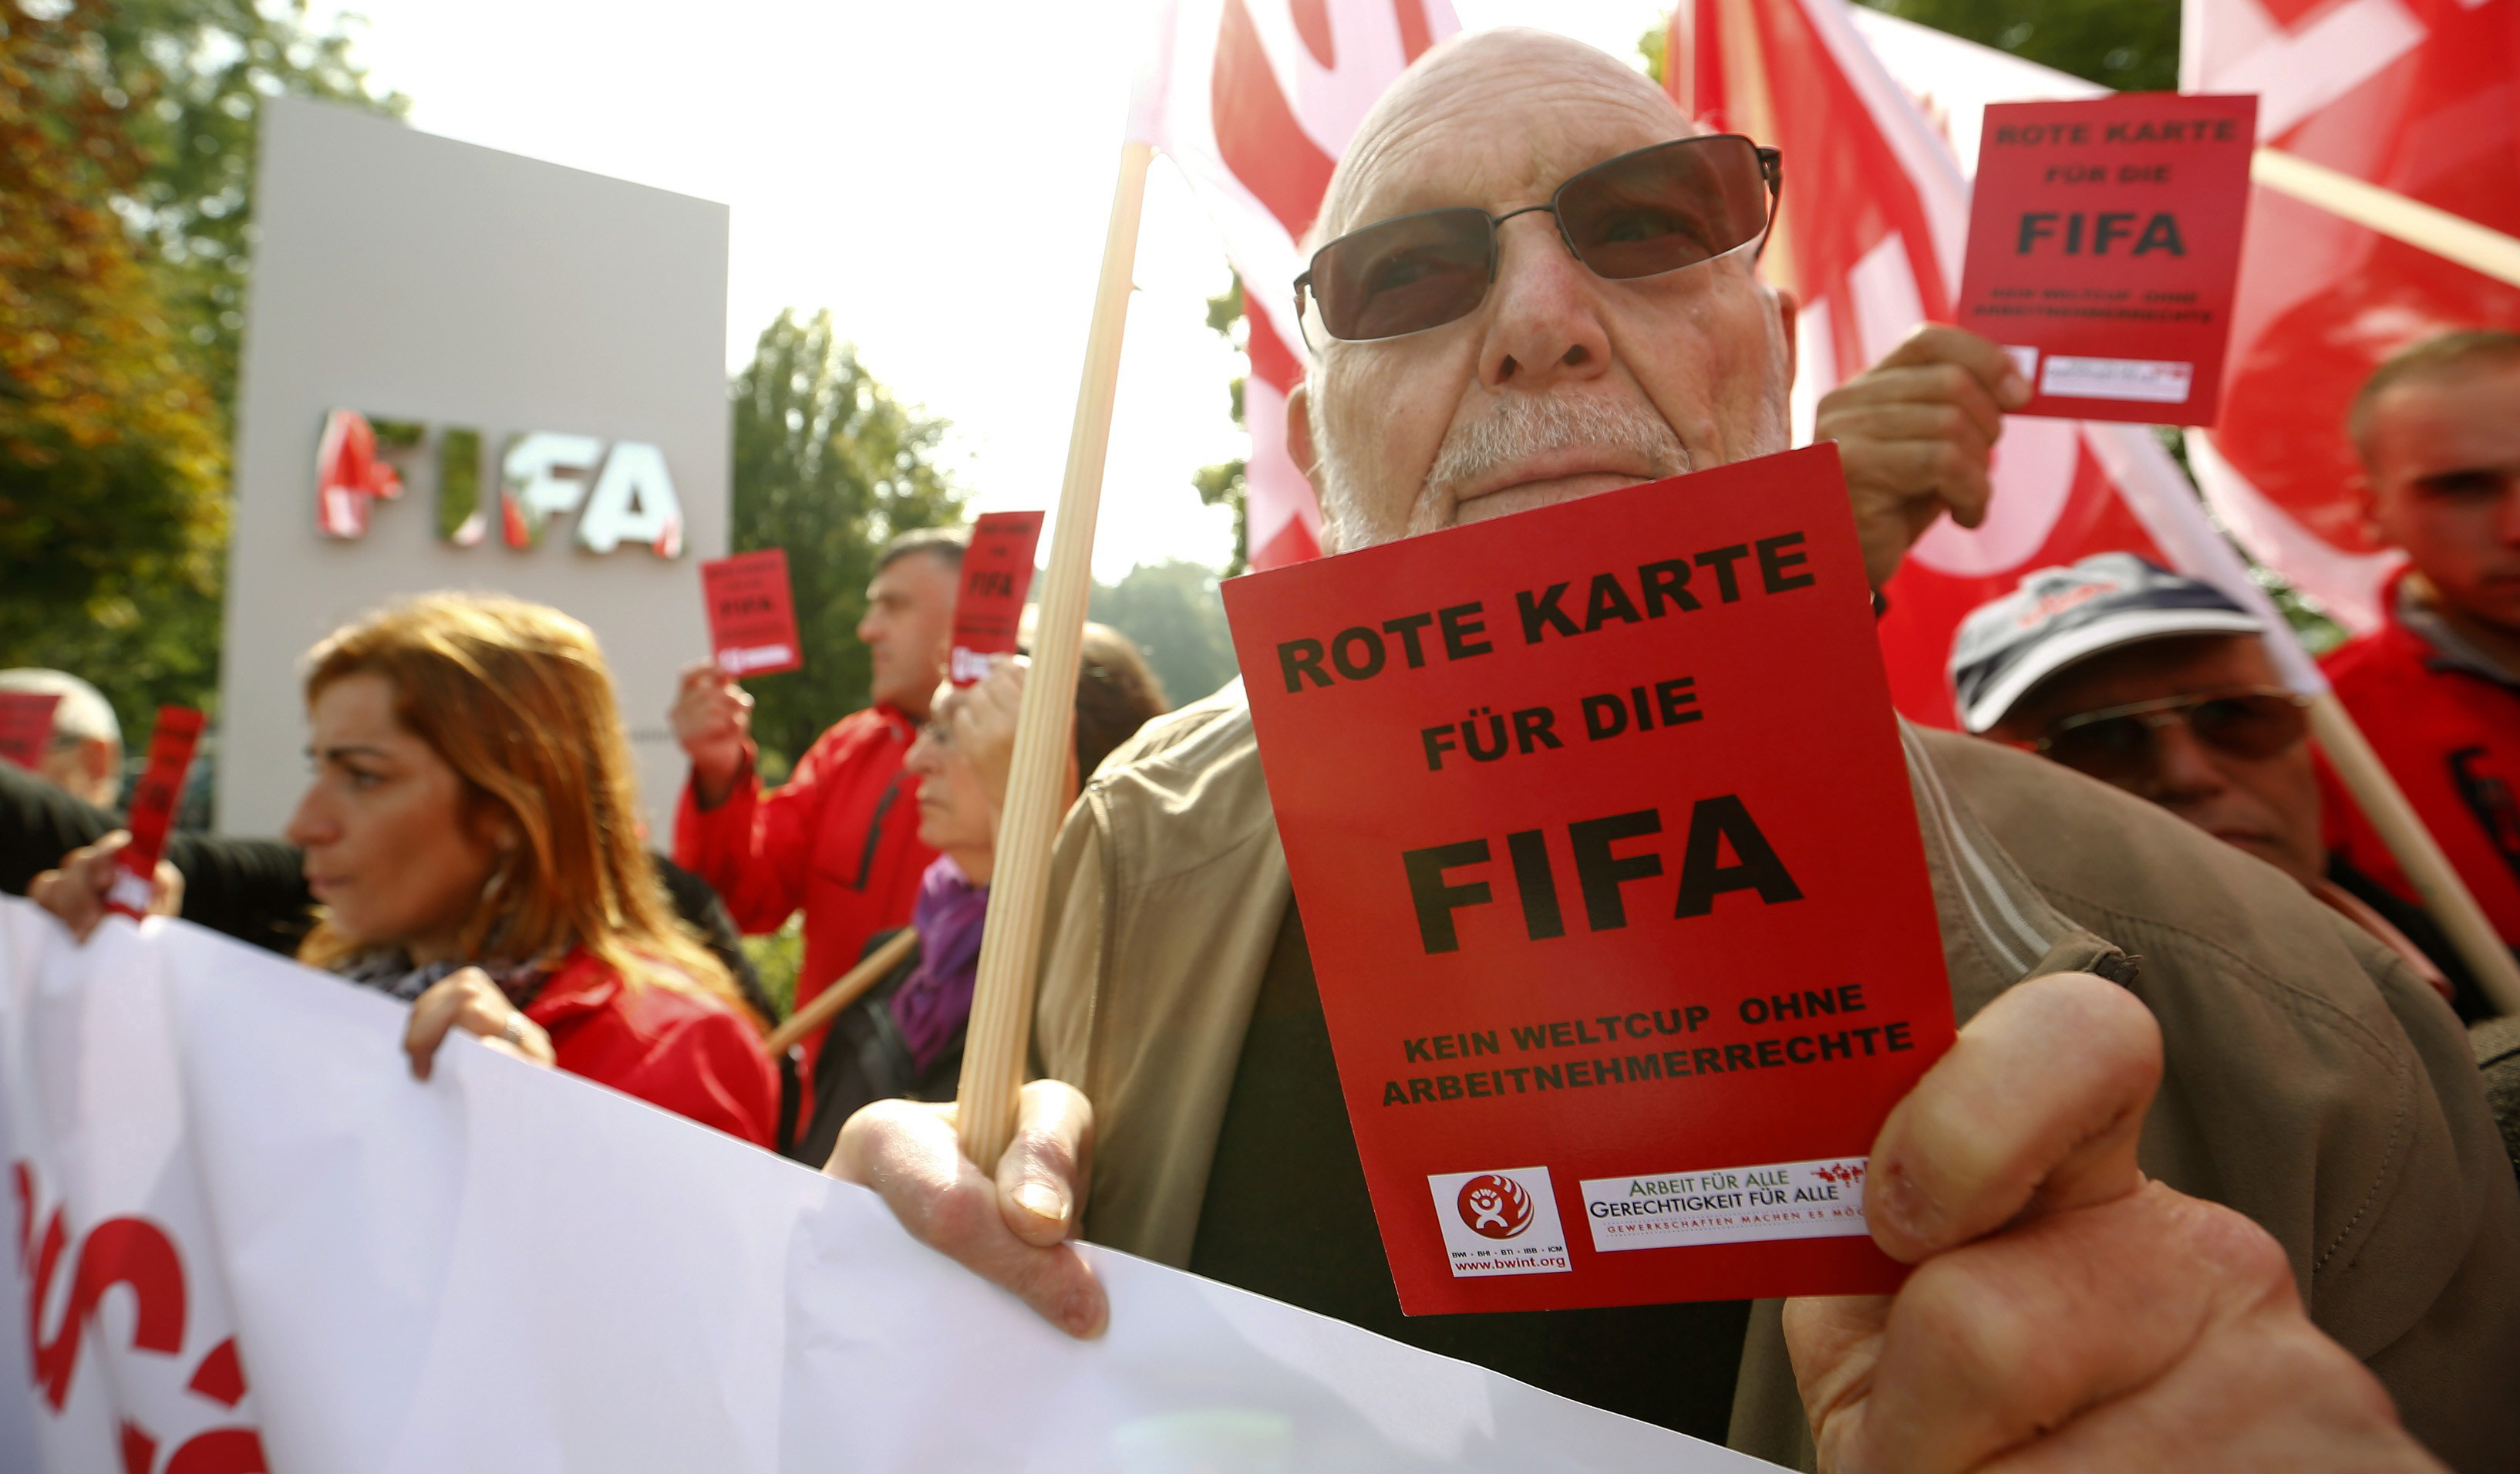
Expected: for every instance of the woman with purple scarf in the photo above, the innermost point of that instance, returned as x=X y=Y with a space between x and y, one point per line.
x=904 y=1038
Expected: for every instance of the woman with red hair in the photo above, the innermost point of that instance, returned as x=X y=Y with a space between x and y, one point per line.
x=471 y=832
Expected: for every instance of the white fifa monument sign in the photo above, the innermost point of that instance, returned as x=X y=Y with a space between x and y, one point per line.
x=467 y=370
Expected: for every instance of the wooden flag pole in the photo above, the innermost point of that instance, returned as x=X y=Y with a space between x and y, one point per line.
x=2445 y=896
x=828 y=1003
x=999 y=1034
x=2452 y=238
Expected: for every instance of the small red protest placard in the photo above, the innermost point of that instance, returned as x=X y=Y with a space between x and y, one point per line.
x=26 y=725
x=997 y=572
x=1602 y=837
x=2104 y=250
x=153 y=808
x=752 y=614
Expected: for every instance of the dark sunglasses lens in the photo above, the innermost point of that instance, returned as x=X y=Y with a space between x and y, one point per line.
x=2108 y=749
x=1661 y=208
x=2249 y=726
x=1403 y=276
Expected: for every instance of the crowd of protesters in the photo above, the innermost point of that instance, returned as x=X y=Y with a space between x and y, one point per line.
x=2213 y=1180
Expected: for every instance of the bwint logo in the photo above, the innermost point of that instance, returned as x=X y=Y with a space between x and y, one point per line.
x=1495 y=1206
x=623 y=494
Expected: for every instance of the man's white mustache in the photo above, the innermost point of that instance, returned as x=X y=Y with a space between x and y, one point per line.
x=1523 y=427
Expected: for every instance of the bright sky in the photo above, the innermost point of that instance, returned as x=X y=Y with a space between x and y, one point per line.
x=937 y=174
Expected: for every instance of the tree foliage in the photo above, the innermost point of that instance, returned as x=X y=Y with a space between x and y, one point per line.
x=130 y=144
x=828 y=465
x=1173 y=611
x=111 y=451
x=204 y=67
x=1223 y=484
x=2129 y=45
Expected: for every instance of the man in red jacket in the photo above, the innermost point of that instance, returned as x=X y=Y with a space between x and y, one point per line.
x=2437 y=688
x=841 y=836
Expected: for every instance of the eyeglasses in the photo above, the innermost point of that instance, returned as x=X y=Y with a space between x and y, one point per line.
x=1656 y=209
x=2116 y=744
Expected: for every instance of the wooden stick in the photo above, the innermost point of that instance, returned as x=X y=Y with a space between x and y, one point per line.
x=2453 y=908
x=848 y=989
x=2452 y=238
x=1000 y=1035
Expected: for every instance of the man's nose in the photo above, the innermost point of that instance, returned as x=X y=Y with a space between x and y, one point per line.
x=2184 y=770
x=1546 y=320
x=2507 y=510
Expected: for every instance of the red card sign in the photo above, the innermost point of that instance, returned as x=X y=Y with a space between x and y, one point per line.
x=153 y=808
x=1602 y=840
x=2104 y=250
x=26 y=725
x=997 y=571
x=751 y=615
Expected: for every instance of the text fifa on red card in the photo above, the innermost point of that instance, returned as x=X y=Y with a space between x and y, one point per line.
x=1603 y=839
x=2104 y=250
x=154 y=800
x=997 y=573
x=751 y=613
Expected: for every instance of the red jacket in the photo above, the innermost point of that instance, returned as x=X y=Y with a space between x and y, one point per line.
x=2450 y=733
x=839 y=838
x=684 y=1051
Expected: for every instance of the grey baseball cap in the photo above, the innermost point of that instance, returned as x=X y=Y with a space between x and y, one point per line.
x=2058 y=615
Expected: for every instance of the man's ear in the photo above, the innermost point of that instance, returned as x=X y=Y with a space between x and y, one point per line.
x=1788 y=311
x=99 y=760
x=1299 y=431
x=2366 y=502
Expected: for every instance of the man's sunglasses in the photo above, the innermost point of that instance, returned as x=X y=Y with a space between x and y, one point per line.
x=1644 y=213
x=2116 y=744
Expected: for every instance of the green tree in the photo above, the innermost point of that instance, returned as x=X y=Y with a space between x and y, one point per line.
x=1174 y=613
x=2129 y=45
x=205 y=67
x=114 y=546
x=828 y=465
x=1224 y=484
x=112 y=455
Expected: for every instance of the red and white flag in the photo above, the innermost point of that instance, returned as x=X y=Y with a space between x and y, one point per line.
x=2418 y=97
x=1870 y=238
x=1255 y=100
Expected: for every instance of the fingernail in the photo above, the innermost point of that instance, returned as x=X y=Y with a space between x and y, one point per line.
x=1041 y=1201
x=1077 y=1313
x=2015 y=390
x=1893 y=1199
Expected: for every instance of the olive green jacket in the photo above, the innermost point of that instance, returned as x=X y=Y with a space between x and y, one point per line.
x=2311 y=1080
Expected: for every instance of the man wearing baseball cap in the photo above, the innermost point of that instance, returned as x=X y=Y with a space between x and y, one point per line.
x=2162 y=685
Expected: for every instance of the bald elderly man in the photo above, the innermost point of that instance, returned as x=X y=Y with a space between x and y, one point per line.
x=2185 y=1100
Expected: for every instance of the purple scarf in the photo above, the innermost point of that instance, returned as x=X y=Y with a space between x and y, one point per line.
x=936 y=1000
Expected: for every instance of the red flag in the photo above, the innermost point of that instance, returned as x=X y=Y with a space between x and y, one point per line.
x=2414 y=95
x=1868 y=239
x=1255 y=100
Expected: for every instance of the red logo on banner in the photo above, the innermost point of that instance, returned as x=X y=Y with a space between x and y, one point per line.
x=1496 y=1206
x=137 y=1257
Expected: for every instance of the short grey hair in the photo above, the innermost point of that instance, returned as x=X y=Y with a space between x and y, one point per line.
x=83 y=716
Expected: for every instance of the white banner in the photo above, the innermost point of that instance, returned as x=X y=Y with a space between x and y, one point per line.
x=253 y=1240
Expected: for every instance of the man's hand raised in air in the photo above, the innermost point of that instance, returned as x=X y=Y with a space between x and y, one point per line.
x=1917 y=434
x=713 y=722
